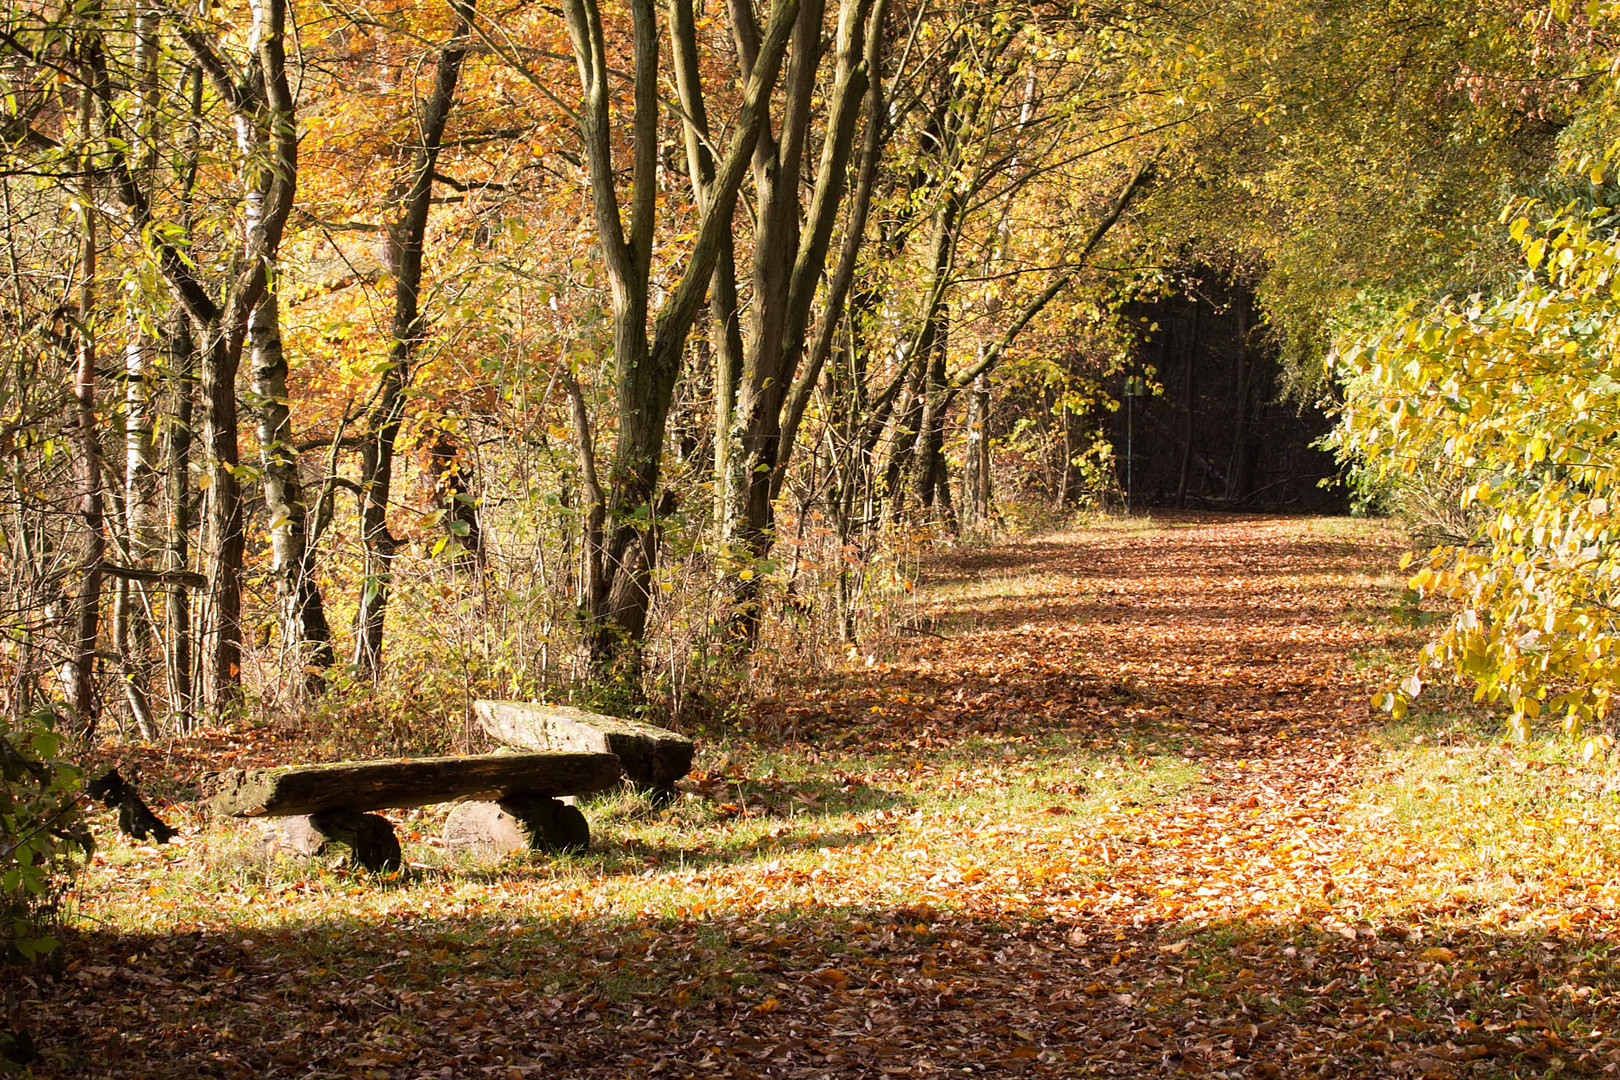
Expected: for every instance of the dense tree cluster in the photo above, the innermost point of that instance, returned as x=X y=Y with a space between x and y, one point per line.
x=583 y=346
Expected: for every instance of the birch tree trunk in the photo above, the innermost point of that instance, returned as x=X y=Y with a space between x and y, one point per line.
x=305 y=636
x=133 y=599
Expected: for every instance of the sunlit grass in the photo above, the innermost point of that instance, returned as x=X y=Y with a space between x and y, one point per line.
x=758 y=830
x=1488 y=828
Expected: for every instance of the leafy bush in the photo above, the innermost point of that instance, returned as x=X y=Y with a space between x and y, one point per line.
x=1515 y=401
x=42 y=834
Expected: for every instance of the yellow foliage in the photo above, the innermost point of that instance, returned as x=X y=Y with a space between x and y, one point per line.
x=1517 y=403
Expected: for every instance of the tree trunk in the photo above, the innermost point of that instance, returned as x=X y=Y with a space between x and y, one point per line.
x=133 y=603
x=1066 y=453
x=261 y=107
x=976 y=465
x=405 y=239
x=226 y=544
x=618 y=605
x=177 y=458
x=306 y=638
x=177 y=446
x=725 y=320
x=929 y=459
x=903 y=443
x=789 y=257
x=82 y=689
x=932 y=343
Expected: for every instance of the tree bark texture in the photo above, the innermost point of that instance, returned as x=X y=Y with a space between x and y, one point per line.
x=305 y=635
x=82 y=688
x=177 y=552
x=976 y=462
x=133 y=610
x=618 y=595
x=791 y=248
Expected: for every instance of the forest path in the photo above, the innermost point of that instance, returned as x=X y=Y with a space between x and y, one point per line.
x=1241 y=644
x=1118 y=808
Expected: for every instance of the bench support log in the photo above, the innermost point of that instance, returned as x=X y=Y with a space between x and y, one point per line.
x=369 y=838
x=518 y=823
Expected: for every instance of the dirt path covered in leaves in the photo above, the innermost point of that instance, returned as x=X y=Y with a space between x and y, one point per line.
x=1119 y=809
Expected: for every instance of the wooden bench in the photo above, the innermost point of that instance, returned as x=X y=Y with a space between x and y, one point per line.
x=515 y=799
x=506 y=801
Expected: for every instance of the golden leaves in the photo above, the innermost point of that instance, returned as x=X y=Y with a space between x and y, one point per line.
x=1231 y=888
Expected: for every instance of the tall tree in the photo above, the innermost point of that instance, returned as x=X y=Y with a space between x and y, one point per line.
x=406 y=233
x=621 y=557
x=259 y=99
x=791 y=243
x=82 y=691
x=133 y=599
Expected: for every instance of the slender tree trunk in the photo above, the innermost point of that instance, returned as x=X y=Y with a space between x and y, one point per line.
x=933 y=341
x=725 y=320
x=306 y=638
x=1067 y=453
x=133 y=601
x=945 y=507
x=851 y=462
x=261 y=107
x=405 y=237
x=976 y=466
x=226 y=543
x=88 y=606
x=903 y=443
x=926 y=458
x=1189 y=387
x=727 y=350
x=177 y=554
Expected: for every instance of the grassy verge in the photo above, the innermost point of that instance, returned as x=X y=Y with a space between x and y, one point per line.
x=784 y=830
x=1493 y=830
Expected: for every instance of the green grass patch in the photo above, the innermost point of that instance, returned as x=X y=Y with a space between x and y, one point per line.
x=1490 y=828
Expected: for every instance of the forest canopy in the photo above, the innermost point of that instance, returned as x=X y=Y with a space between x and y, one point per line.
x=365 y=357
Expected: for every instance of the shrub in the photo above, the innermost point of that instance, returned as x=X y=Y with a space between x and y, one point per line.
x=42 y=833
x=1512 y=405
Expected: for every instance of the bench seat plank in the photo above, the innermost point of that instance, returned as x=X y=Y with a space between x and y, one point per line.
x=653 y=757
x=408 y=782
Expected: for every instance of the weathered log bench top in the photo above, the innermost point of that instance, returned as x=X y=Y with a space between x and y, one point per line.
x=653 y=757
x=408 y=782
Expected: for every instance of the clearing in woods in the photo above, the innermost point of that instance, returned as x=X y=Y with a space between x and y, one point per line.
x=1120 y=809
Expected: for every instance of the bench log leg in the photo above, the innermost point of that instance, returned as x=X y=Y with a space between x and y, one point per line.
x=369 y=838
x=518 y=823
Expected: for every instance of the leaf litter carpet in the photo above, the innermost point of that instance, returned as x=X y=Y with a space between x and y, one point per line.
x=1161 y=863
